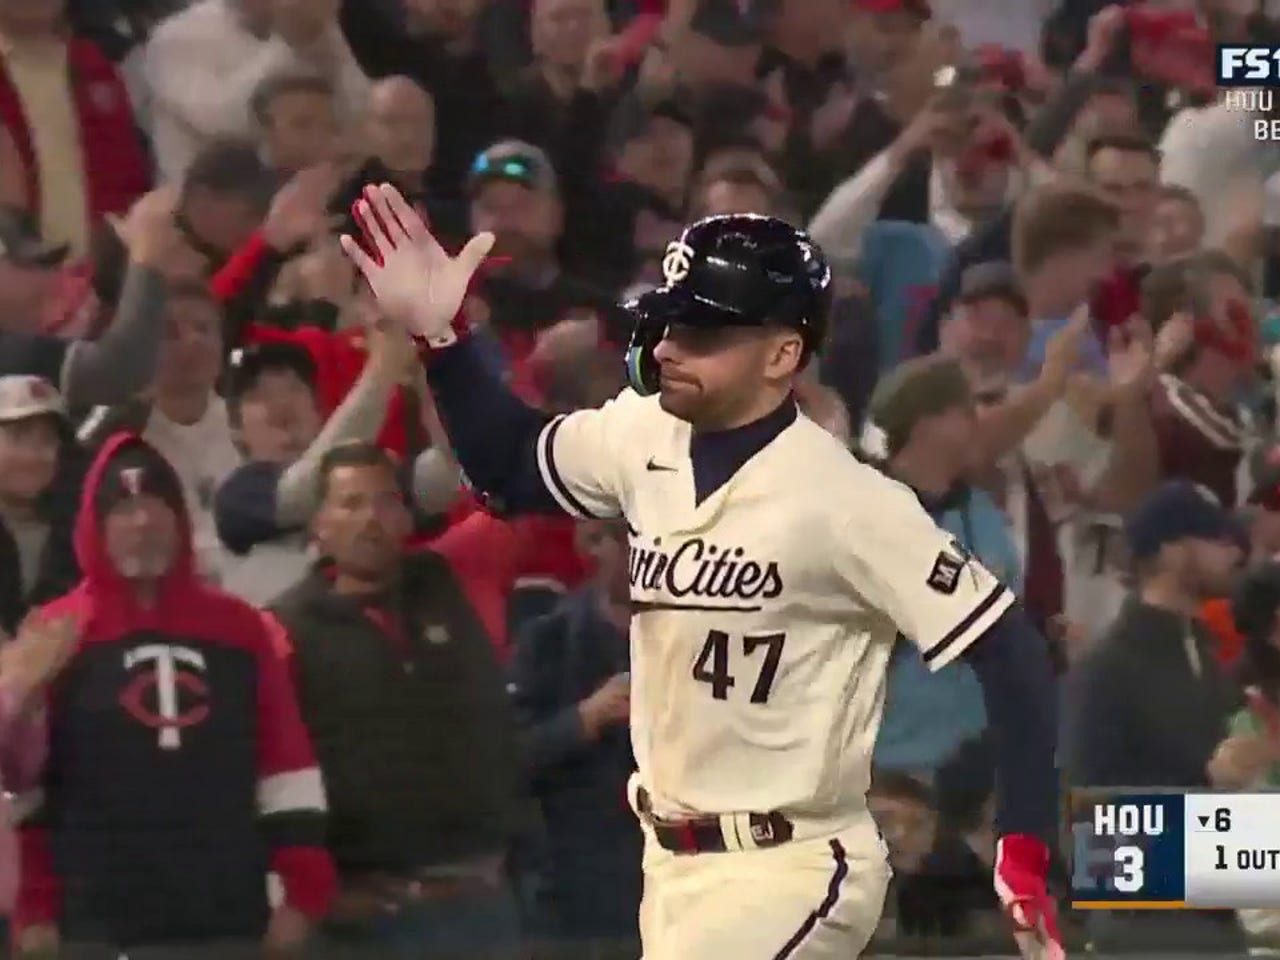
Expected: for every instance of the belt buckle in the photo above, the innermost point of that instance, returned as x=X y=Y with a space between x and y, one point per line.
x=769 y=829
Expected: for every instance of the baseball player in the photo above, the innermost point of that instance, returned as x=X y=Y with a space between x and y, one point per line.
x=771 y=573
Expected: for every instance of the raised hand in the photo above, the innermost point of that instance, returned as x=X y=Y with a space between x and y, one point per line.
x=416 y=283
x=299 y=212
x=1131 y=355
x=1063 y=350
x=40 y=650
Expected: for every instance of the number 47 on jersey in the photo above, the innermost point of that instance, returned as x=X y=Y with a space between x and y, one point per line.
x=721 y=657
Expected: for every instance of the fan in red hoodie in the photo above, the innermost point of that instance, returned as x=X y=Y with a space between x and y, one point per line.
x=179 y=771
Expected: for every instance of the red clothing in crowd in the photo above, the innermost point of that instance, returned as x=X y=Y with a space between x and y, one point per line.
x=240 y=728
x=339 y=359
x=1117 y=300
x=491 y=556
x=1229 y=647
x=339 y=356
x=116 y=167
x=22 y=751
x=494 y=557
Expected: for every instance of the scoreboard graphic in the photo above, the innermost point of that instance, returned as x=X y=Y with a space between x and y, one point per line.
x=1134 y=850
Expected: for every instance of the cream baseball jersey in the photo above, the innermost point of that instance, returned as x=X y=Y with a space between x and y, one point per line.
x=764 y=616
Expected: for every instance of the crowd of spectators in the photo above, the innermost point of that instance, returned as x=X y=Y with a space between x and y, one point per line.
x=271 y=674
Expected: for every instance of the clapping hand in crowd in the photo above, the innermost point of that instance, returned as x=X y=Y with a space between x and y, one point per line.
x=831 y=118
x=299 y=213
x=609 y=706
x=1063 y=350
x=1104 y=32
x=287 y=934
x=153 y=236
x=1242 y=760
x=602 y=69
x=37 y=654
x=1131 y=359
x=1171 y=343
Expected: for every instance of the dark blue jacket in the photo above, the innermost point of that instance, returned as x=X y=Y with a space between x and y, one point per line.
x=593 y=839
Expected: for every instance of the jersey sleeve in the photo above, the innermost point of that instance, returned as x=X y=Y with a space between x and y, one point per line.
x=579 y=457
x=903 y=564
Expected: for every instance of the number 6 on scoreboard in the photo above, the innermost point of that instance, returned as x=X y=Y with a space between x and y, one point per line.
x=1130 y=874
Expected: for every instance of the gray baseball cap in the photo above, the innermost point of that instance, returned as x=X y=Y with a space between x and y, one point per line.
x=516 y=162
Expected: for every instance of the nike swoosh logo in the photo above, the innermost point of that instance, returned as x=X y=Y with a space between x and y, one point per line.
x=657 y=467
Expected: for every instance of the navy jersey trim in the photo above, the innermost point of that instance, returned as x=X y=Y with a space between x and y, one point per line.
x=961 y=630
x=555 y=482
x=824 y=909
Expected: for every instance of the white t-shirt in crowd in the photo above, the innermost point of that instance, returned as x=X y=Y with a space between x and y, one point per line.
x=1066 y=458
x=204 y=455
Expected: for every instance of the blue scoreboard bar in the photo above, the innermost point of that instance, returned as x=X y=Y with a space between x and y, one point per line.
x=1134 y=850
x=1129 y=851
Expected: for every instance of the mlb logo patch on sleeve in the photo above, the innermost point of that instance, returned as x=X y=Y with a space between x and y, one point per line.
x=945 y=574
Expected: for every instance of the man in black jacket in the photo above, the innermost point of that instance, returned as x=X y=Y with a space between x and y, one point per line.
x=406 y=705
x=571 y=686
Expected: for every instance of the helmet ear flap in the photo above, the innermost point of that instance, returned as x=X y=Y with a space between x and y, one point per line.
x=641 y=365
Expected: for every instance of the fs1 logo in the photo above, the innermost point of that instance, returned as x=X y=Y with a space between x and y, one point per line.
x=1240 y=66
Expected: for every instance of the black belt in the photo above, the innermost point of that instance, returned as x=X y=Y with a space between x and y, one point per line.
x=705 y=834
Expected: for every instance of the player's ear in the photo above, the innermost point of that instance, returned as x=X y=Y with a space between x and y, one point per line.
x=785 y=355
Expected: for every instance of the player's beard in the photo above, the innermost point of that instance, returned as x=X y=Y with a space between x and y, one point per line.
x=682 y=398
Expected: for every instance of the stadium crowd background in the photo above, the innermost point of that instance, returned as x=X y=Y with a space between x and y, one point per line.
x=1057 y=274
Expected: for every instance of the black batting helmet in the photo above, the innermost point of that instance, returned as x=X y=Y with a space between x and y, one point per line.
x=740 y=270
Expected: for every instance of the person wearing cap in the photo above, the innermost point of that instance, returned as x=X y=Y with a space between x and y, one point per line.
x=1185 y=548
x=1148 y=704
x=198 y=775
x=710 y=428
x=37 y=467
x=183 y=416
x=515 y=195
x=262 y=509
x=121 y=361
x=925 y=414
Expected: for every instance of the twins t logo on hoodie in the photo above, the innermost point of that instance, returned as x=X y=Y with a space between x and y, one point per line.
x=170 y=695
x=131 y=480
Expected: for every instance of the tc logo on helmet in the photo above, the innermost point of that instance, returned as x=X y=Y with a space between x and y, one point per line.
x=676 y=261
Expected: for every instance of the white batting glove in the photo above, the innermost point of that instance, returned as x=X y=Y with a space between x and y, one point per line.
x=416 y=283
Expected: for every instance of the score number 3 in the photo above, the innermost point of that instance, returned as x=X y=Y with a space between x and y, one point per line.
x=1130 y=869
x=712 y=665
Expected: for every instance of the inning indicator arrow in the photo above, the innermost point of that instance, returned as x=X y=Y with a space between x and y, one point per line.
x=1204 y=821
